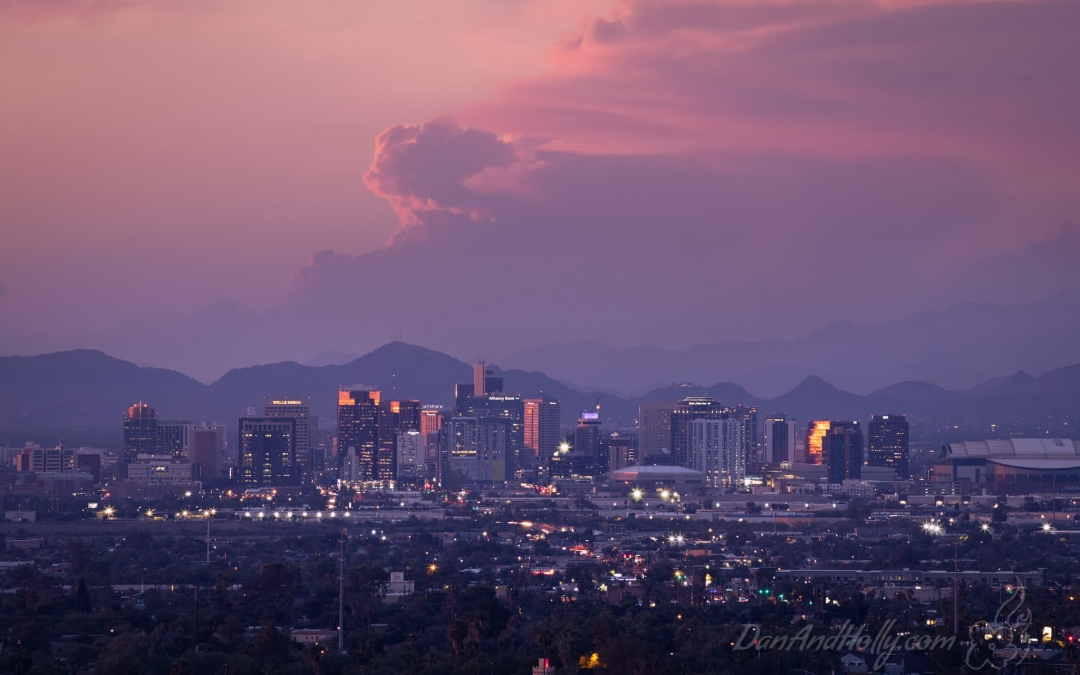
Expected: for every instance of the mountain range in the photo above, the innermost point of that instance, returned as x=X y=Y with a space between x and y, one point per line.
x=80 y=396
x=955 y=348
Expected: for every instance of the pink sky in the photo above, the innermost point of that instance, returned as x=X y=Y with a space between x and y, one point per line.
x=161 y=157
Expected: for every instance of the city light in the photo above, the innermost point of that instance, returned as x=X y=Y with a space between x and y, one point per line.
x=637 y=494
x=930 y=527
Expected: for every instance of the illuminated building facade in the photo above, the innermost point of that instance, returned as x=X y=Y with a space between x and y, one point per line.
x=511 y=410
x=815 y=432
x=887 y=443
x=140 y=431
x=298 y=409
x=358 y=428
x=541 y=434
x=267 y=452
x=716 y=448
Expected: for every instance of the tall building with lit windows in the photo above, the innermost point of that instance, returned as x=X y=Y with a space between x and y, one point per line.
x=511 y=410
x=358 y=428
x=299 y=409
x=887 y=443
x=717 y=449
x=140 y=432
x=541 y=434
x=267 y=452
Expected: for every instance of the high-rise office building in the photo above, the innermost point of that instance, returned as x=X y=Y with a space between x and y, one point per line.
x=687 y=410
x=479 y=379
x=493 y=449
x=842 y=449
x=511 y=409
x=140 y=431
x=395 y=417
x=751 y=445
x=174 y=438
x=717 y=449
x=815 y=432
x=541 y=435
x=484 y=382
x=707 y=408
x=358 y=427
x=654 y=429
x=431 y=427
x=207 y=449
x=267 y=452
x=887 y=443
x=462 y=394
x=299 y=409
x=621 y=451
x=779 y=440
x=588 y=443
x=350 y=467
x=411 y=458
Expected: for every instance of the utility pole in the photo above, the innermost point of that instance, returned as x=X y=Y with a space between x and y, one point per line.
x=208 y=539
x=341 y=593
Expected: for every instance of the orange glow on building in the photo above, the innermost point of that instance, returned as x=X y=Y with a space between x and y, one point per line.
x=814 y=435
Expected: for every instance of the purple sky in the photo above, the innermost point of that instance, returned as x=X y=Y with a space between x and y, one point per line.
x=207 y=184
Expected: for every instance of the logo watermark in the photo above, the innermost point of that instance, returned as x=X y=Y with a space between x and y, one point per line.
x=1005 y=640
x=850 y=637
x=997 y=644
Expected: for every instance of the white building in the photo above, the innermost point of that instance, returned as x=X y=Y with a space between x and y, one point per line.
x=715 y=447
x=350 y=466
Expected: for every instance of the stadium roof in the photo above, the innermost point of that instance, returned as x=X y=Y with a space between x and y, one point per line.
x=1020 y=450
x=632 y=473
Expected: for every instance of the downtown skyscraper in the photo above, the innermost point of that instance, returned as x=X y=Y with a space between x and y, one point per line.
x=887 y=443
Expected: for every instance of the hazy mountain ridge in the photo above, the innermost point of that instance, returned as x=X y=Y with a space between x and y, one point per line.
x=81 y=395
x=955 y=348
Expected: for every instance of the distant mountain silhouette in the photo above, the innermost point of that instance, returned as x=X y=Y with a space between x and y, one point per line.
x=80 y=396
x=955 y=348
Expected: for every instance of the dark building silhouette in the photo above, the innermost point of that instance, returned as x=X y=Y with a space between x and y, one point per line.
x=779 y=440
x=267 y=452
x=140 y=432
x=173 y=438
x=887 y=443
x=842 y=447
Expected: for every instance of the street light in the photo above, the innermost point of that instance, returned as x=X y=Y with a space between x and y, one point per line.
x=637 y=494
x=109 y=511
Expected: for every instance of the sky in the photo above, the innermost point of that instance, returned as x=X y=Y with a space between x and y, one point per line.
x=213 y=183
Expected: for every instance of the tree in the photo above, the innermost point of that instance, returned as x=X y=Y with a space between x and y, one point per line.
x=82 y=598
